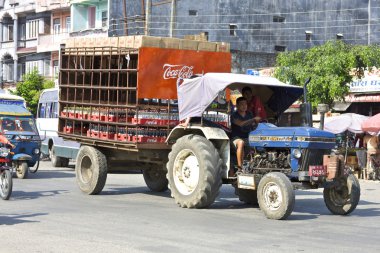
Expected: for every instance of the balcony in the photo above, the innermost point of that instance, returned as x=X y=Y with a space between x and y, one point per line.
x=51 y=42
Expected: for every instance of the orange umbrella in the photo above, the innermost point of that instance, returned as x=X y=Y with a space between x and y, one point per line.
x=372 y=124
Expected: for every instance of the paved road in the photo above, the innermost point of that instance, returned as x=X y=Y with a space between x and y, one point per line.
x=48 y=213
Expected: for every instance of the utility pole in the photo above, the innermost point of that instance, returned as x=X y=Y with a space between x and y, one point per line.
x=125 y=17
x=369 y=22
x=147 y=16
x=172 y=14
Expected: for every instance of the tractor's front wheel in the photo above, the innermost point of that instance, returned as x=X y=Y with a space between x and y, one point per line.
x=342 y=199
x=276 y=196
x=194 y=172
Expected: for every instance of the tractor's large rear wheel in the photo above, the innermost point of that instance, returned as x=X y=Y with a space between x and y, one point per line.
x=91 y=170
x=194 y=172
x=343 y=198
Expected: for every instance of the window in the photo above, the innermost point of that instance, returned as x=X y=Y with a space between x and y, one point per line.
x=104 y=18
x=279 y=48
x=8 y=33
x=22 y=32
x=8 y=72
x=32 y=28
x=56 y=26
x=55 y=69
x=30 y=66
x=54 y=110
x=41 y=110
x=278 y=19
x=68 y=24
x=206 y=35
x=233 y=28
x=193 y=13
x=46 y=68
x=308 y=36
x=91 y=16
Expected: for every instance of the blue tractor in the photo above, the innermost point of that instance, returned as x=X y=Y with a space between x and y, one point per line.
x=279 y=160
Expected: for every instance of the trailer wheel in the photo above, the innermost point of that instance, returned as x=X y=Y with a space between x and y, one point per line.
x=276 y=196
x=155 y=179
x=91 y=170
x=22 y=170
x=344 y=198
x=247 y=196
x=6 y=184
x=194 y=172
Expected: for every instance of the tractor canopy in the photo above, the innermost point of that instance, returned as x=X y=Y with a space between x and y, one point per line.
x=195 y=95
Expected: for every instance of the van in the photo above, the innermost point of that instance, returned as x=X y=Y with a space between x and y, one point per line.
x=58 y=150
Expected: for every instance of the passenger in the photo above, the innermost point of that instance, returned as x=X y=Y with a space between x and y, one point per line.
x=26 y=126
x=242 y=122
x=254 y=103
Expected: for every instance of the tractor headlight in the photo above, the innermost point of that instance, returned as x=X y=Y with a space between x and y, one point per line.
x=4 y=152
x=297 y=153
x=36 y=151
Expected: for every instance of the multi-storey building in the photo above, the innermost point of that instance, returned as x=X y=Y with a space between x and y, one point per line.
x=30 y=34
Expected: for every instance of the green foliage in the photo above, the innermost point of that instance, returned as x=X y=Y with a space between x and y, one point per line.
x=31 y=87
x=329 y=66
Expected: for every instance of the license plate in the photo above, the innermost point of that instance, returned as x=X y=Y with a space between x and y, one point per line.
x=317 y=171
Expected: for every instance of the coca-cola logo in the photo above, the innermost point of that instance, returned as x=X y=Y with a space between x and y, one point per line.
x=177 y=71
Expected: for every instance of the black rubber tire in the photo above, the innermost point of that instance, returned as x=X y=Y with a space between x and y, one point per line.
x=91 y=170
x=6 y=189
x=22 y=170
x=210 y=172
x=247 y=196
x=286 y=206
x=343 y=201
x=155 y=179
x=56 y=161
x=65 y=162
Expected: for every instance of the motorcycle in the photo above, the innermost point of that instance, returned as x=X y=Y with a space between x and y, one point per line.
x=5 y=171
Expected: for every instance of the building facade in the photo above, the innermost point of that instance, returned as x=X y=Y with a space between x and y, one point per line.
x=30 y=34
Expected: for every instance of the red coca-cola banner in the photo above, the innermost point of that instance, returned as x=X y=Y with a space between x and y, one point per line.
x=159 y=69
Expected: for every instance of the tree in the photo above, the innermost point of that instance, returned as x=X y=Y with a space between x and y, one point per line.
x=329 y=66
x=31 y=87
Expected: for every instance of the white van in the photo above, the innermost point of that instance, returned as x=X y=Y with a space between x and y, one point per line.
x=59 y=150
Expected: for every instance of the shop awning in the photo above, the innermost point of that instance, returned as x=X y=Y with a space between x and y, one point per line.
x=364 y=98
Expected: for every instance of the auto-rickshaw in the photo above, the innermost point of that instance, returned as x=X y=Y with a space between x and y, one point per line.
x=17 y=124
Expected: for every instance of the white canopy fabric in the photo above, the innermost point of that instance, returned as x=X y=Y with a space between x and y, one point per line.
x=345 y=122
x=195 y=95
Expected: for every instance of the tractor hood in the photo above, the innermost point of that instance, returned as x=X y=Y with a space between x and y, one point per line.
x=268 y=135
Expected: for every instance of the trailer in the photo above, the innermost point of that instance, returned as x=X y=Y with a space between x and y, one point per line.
x=120 y=104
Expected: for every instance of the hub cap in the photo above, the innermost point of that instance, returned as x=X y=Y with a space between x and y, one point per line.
x=272 y=196
x=186 y=172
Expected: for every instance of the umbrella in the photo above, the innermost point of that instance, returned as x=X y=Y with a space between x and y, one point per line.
x=372 y=124
x=348 y=121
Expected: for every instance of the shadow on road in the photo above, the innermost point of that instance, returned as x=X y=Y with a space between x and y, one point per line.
x=48 y=174
x=11 y=219
x=22 y=195
x=134 y=190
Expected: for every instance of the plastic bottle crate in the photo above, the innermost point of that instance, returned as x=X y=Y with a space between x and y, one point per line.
x=166 y=122
x=106 y=136
x=146 y=121
x=97 y=117
x=148 y=139
x=80 y=115
x=121 y=137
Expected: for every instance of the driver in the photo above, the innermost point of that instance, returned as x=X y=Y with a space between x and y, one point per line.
x=242 y=122
x=5 y=141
